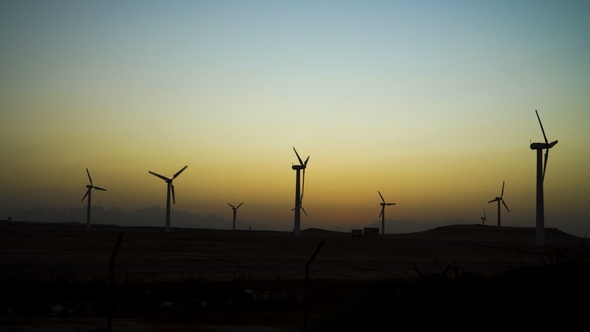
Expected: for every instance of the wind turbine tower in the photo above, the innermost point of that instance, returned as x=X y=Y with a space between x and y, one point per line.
x=484 y=218
x=235 y=208
x=170 y=188
x=500 y=199
x=382 y=215
x=89 y=194
x=541 y=168
x=299 y=192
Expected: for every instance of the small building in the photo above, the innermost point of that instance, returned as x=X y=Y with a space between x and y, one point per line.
x=371 y=232
x=7 y=222
x=356 y=233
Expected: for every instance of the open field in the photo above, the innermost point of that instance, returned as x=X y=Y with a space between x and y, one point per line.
x=196 y=277
x=150 y=253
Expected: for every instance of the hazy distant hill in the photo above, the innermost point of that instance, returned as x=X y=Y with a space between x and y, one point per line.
x=151 y=216
x=155 y=216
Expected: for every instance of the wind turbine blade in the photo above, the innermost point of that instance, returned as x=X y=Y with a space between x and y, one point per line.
x=381 y=196
x=304 y=211
x=545 y=165
x=306 y=160
x=231 y=206
x=300 y=161
x=542 y=129
x=178 y=173
x=239 y=205
x=390 y=203
x=87 y=192
x=493 y=200
x=484 y=212
x=89 y=178
x=158 y=175
x=173 y=198
x=99 y=188
x=506 y=206
x=303 y=186
x=382 y=211
x=502 y=189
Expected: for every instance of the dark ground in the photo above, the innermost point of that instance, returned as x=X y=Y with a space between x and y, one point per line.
x=54 y=277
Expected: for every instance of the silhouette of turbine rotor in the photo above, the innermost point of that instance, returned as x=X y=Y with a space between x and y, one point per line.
x=89 y=195
x=170 y=191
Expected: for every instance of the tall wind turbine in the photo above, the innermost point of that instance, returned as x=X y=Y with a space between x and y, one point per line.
x=235 y=208
x=89 y=194
x=484 y=218
x=500 y=199
x=170 y=188
x=299 y=192
x=382 y=215
x=541 y=168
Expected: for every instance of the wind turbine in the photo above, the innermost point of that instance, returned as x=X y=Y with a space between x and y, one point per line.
x=382 y=215
x=500 y=199
x=299 y=192
x=541 y=168
x=235 y=208
x=484 y=218
x=170 y=188
x=89 y=194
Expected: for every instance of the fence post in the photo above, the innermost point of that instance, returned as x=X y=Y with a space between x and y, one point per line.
x=306 y=280
x=112 y=283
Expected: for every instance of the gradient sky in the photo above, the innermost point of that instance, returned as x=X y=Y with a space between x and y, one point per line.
x=430 y=102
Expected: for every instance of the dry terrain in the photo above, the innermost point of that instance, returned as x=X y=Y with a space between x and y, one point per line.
x=259 y=272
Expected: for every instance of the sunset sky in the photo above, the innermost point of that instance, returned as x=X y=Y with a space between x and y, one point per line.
x=430 y=102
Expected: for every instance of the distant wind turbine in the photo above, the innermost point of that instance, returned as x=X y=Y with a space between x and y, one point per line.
x=382 y=215
x=170 y=188
x=235 y=208
x=541 y=168
x=299 y=192
x=89 y=194
x=500 y=199
x=484 y=218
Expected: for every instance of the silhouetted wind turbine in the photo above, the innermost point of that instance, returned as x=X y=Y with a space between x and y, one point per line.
x=382 y=215
x=299 y=192
x=541 y=168
x=89 y=194
x=235 y=208
x=170 y=188
x=484 y=218
x=500 y=199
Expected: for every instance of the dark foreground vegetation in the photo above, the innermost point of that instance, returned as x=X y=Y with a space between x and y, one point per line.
x=554 y=294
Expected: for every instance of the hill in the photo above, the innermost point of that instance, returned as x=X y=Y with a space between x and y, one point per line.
x=485 y=233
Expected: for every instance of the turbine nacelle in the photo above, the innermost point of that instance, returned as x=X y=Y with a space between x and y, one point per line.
x=542 y=146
